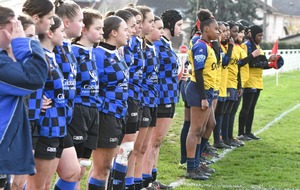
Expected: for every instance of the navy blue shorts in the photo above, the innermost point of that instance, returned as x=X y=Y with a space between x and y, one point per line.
x=216 y=94
x=222 y=99
x=193 y=95
x=183 y=86
x=232 y=94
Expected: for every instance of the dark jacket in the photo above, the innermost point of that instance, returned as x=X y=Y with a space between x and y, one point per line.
x=18 y=79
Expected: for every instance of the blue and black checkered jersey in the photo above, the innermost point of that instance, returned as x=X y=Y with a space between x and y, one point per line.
x=35 y=104
x=113 y=80
x=168 y=72
x=53 y=122
x=66 y=60
x=150 y=76
x=133 y=56
x=87 y=83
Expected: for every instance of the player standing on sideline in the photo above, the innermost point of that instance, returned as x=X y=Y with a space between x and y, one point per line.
x=20 y=75
x=254 y=84
x=119 y=169
x=52 y=123
x=227 y=44
x=168 y=88
x=39 y=13
x=67 y=167
x=199 y=92
x=113 y=90
x=84 y=126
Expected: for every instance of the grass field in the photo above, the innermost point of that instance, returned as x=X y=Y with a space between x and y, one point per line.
x=271 y=163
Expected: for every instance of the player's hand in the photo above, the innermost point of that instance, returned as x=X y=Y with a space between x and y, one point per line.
x=204 y=104
x=240 y=92
x=256 y=53
x=46 y=103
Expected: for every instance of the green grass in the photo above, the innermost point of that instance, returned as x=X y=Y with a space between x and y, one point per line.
x=272 y=163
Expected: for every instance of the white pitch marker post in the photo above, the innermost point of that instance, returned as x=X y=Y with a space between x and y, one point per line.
x=277 y=76
x=222 y=155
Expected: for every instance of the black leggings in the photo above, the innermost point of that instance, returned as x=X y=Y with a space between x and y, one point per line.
x=219 y=113
x=247 y=112
x=225 y=124
x=232 y=117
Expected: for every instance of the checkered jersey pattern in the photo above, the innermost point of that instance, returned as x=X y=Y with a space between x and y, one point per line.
x=87 y=83
x=135 y=67
x=53 y=122
x=150 y=77
x=168 y=72
x=35 y=104
x=113 y=81
x=66 y=60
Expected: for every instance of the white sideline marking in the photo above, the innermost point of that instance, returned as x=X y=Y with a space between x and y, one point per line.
x=277 y=119
x=226 y=151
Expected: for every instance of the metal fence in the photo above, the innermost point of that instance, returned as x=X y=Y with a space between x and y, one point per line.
x=291 y=61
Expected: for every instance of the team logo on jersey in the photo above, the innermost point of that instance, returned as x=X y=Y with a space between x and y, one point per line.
x=61 y=98
x=94 y=75
x=112 y=60
x=149 y=55
x=153 y=77
x=73 y=70
x=83 y=58
x=175 y=72
x=126 y=74
x=156 y=68
x=199 y=58
x=69 y=84
x=93 y=86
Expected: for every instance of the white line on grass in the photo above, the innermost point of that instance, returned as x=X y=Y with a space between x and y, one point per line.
x=277 y=119
x=222 y=155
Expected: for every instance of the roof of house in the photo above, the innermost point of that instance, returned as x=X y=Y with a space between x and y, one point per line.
x=161 y=6
x=288 y=7
x=269 y=8
x=290 y=37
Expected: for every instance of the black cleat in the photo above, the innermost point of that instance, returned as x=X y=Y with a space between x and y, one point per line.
x=196 y=175
x=252 y=136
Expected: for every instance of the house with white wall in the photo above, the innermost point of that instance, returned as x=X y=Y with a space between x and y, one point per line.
x=282 y=19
